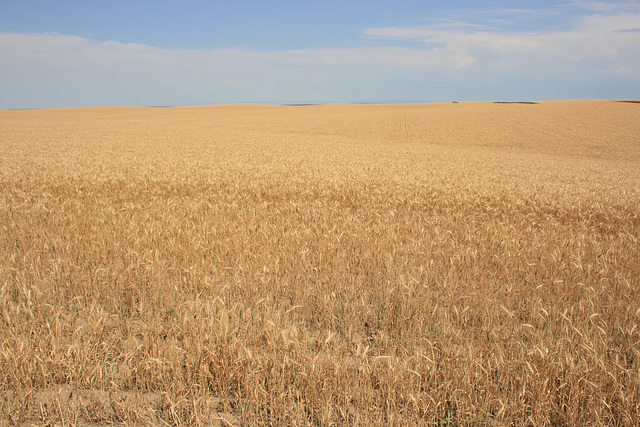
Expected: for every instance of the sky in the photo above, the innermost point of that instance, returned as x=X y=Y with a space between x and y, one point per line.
x=73 y=53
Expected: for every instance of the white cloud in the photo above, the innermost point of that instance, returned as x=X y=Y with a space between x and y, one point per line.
x=599 y=43
x=373 y=56
x=56 y=50
x=609 y=6
x=64 y=67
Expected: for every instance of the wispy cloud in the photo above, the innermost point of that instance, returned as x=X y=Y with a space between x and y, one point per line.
x=602 y=6
x=596 y=44
x=67 y=51
x=57 y=50
x=55 y=63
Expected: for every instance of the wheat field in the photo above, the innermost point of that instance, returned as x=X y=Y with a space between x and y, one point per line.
x=471 y=263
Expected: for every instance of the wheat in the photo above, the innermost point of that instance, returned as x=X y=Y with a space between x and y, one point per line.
x=440 y=264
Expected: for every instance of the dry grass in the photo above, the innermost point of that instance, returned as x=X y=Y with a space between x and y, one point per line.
x=438 y=264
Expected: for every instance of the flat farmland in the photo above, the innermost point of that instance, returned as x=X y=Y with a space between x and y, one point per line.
x=471 y=263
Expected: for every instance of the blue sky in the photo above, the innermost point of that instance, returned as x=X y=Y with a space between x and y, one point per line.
x=61 y=53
